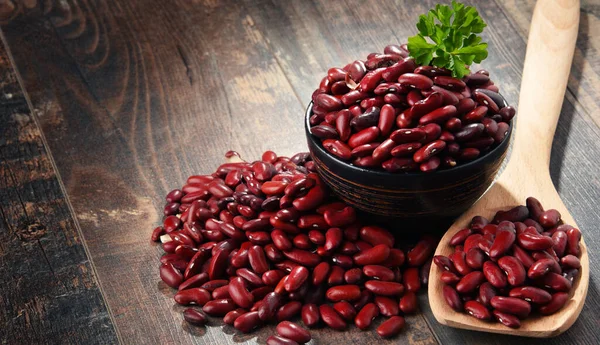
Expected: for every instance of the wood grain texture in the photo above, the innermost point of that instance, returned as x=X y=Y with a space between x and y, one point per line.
x=134 y=96
x=48 y=291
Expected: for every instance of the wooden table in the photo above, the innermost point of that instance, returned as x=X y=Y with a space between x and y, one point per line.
x=107 y=105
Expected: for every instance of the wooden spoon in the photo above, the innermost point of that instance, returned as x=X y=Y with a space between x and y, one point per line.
x=549 y=55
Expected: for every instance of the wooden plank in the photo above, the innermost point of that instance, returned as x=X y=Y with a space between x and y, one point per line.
x=49 y=293
x=132 y=106
x=307 y=37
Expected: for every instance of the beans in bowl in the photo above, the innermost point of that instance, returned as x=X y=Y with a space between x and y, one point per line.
x=387 y=112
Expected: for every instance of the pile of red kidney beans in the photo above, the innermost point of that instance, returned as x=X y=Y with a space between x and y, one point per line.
x=387 y=112
x=265 y=242
x=523 y=261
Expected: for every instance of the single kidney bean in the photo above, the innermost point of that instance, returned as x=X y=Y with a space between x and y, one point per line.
x=411 y=279
x=560 y=240
x=332 y=318
x=195 y=317
x=459 y=261
x=408 y=303
x=474 y=258
x=478 y=310
x=230 y=317
x=194 y=281
x=555 y=282
x=444 y=263
x=514 y=269
x=494 y=275
x=338 y=148
x=570 y=261
x=293 y=331
x=353 y=275
x=370 y=81
x=378 y=272
x=541 y=267
x=336 y=276
x=501 y=132
x=531 y=294
x=372 y=256
x=297 y=277
x=534 y=241
x=375 y=235
x=221 y=292
x=511 y=305
x=416 y=81
x=247 y=322
x=549 y=218
x=557 y=301
x=535 y=208
x=421 y=252
x=310 y=315
x=271 y=302
x=387 y=306
x=343 y=292
x=324 y=132
x=365 y=136
x=522 y=256
x=460 y=237
x=384 y=288
x=449 y=278
x=469 y=132
x=345 y=309
x=573 y=238
x=170 y=275
x=452 y=298
x=505 y=237
x=391 y=327
x=486 y=293
x=470 y=282
x=366 y=315
x=219 y=307
x=197 y=296
x=507 y=319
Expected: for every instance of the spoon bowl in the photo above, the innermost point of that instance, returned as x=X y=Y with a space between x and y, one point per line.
x=547 y=64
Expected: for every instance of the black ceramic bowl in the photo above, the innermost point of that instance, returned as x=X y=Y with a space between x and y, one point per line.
x=428 y=198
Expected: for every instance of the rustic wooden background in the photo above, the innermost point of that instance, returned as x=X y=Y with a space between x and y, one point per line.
x=107 y=105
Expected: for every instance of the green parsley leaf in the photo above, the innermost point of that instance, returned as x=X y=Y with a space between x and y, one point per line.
x=453 y=32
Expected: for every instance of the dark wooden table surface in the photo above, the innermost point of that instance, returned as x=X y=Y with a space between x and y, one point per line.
x=107 y=105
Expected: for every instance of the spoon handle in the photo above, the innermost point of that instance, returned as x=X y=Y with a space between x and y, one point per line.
x=552 y=38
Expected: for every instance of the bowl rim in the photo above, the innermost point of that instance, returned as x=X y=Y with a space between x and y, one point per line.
x=385 y=174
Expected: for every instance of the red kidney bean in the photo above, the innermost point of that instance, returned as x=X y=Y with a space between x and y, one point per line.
x=421 y=252
x=555 y=282
x=486 y=293
x=440 y=115
x=293 y=331
x=570 y=261
x=549 y=218
x=522 y=256
x=449 y=278
x=559 y=239
x=387 y=306
x=459 y=262
x=366 y=315
x=324 y=132
x=345 y=309
x=297 y=277
x=353 y=275
x=221 y=292
x=460 y=237
x=408 y=135
x=219 y=307
x=535 y=241
x=507 y=319
x=470 y=282
x=411 y=279
x=391 y=327
x=452 y=298
x=408 y=303
x=170 y=275
x=384 y=288
x=197 y=296
x=372 y=256
x=338 y=148
x=303 y=257
x=271 y=302
x=375 y=235
x=475 y=258
x=343 y=292
x=542 y=266
x=558 y=300
x=531 y=294
x=195 y=317
x=404 y=150
x=378 y=272
x=494 y=275
x=469 y=132
x=230 y=317
x=310 y=315
x=514 y=269
x=477 y=310
x=416 y=81
x=332 y=318
x=369 y=82
x=511 y=305
x=505 y=237
x=247 y=322
x=501 y=132
x=573 y=238
x=272 y=277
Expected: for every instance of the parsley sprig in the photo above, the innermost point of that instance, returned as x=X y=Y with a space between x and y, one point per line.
x=455 y=42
